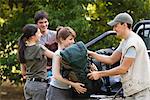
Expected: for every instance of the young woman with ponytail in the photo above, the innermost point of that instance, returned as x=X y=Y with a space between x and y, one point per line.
x=33 y=58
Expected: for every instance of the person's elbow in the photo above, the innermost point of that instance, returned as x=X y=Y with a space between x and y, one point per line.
x=123 y=70
x=57 y=76
x=111 y=61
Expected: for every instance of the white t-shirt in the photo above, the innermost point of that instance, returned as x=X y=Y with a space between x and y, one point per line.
x=54 y=82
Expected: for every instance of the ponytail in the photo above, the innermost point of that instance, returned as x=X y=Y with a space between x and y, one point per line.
x=28 y=31
x=21 y=49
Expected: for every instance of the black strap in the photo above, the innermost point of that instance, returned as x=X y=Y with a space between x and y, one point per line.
x=39 y=80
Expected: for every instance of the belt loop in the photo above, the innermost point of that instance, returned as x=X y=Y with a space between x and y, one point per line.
x=33 y=79
x=42 y=80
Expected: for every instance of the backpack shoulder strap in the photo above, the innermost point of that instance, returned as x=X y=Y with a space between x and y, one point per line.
x=66 y=65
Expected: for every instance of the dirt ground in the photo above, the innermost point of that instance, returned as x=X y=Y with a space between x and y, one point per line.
x=11 y=92
x=14 y=92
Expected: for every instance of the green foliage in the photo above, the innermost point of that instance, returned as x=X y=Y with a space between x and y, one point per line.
x=15 y=18
x=87 y=17
x=68 y=13
x=139 y=9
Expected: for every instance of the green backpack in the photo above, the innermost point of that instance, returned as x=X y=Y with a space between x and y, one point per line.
x=75 y=67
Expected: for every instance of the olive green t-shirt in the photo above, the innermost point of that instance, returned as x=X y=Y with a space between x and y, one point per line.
x=36 y=61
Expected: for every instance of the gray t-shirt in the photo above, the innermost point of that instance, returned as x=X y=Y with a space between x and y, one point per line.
x=49 y=41
x=49 y=38
x=57 y=83
x=36 y=61
x=131 y=52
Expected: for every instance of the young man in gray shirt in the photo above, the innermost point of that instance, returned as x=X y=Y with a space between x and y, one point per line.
x=48 y=37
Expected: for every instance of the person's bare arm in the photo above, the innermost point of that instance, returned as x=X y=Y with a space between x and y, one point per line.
x=121 y=69
x=106 y=59
x=56 y=74
x=48 y=53
x=23 y=70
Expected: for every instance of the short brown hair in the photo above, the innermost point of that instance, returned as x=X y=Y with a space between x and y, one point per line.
x=64 y=32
